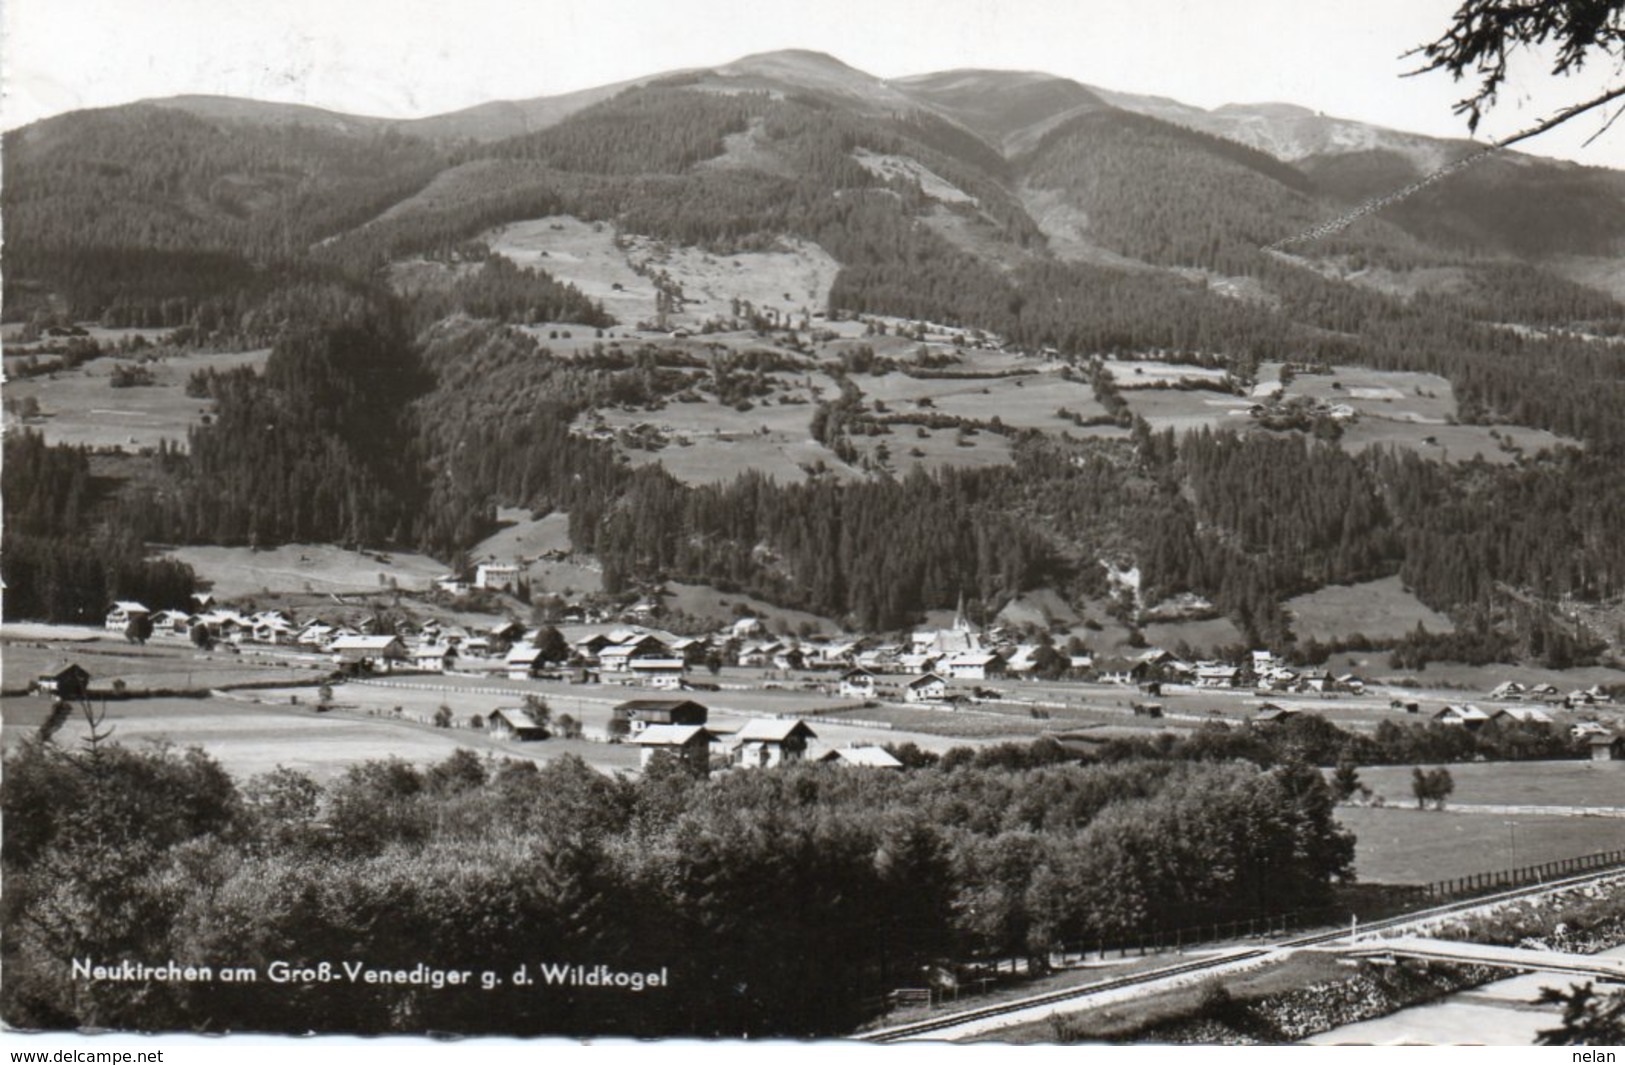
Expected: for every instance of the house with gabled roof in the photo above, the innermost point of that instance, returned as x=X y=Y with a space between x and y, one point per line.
x=172 y=622
x=63 y=680
x=1120 y=671
x=766 y=742
x=919 y=661
x=868 y=757
x=1469 y=716
x=690 y=745
x=976 y=665
x=639 y=714
x=515 y=722
x=1610 y=748
x=523 y=661
x=1271 y=714
x=662 y=673
x=434 y=657
x=1527 y=715
x=369 y=652
x=926 y=688
x=122 y=613
x=858 y=684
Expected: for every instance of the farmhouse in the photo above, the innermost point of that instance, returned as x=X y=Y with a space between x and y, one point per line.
x=878 y=659
x=437 y=658
x=173 y=622
x=640 y=714
x=858 y=684
x=123 y=613
x=65 y=680
x=766 y=742
x=790 y=658
x=662 y=673
x=1528 y=715
x=976 y=665
x=505 y=633
x=274 y=629
x=1217 y=676
x=623 y=647
x=369 y=652
x=225 y=624
x=690 y=745
x=1120 y=671
x=759 y=654
x=1270 y=714
x=832 y=655
x=919 y=662
x=452 y=584
x=1469 y=716
x=523 y=662
x=1607 y=748
x=860 y=757
x=515 y=722
x=926 y=688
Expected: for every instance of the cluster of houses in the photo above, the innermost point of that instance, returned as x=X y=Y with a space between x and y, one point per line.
x=920 y=670
x=1512 y=691
x=681 y=730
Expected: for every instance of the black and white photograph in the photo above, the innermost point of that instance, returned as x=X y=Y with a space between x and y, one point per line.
x=878 y=523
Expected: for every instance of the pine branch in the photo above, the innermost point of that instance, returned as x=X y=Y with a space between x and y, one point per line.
x=1337 y=225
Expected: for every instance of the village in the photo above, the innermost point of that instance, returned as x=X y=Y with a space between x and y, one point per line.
x=618 y=679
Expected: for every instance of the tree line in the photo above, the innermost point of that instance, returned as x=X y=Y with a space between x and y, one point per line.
x=749 y=889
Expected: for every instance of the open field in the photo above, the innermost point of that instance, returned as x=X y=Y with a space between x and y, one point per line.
x=1147 y=373
x=1209 y=632
x=252 y=738
x=1041 y=606
x=522 y=536
x=1568 y=783
x=582 y=254
x=1411 y=410
x=586 y=255
x=947 y=723
x=909 y=446
x=1186 y=411
x=709 y=442
x=528 y=539
x=1380 y=609
x=12 y=334
x=163 y=664
x=80 y=406
x=1500 y=445
x=1392 y=395
x=717 y=460
x=704 y=601
x=1026 y=402
x=1410 y=846
x=794 y=279
x=234 y=572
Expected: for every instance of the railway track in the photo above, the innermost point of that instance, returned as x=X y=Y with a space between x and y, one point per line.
x=1081 y=994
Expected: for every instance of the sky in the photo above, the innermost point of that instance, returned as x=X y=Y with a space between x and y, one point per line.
x=409 y=58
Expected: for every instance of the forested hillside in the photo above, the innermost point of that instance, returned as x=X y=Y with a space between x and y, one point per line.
x=386 y=418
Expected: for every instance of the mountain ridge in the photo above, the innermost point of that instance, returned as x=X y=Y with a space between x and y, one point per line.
x=1285 y=129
